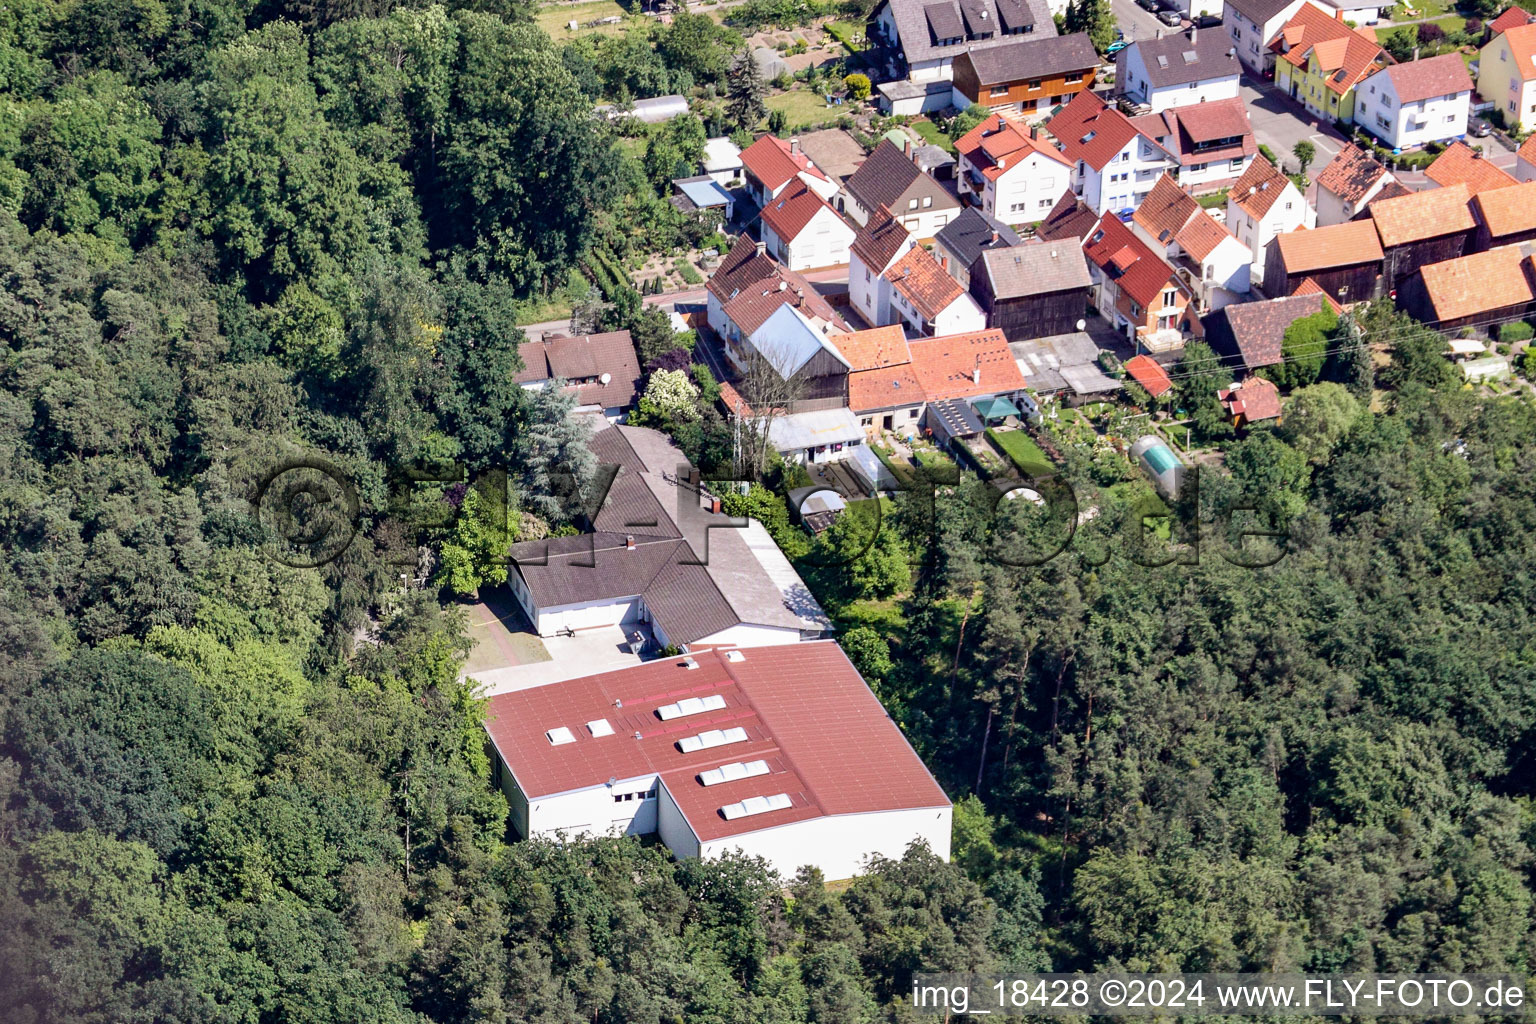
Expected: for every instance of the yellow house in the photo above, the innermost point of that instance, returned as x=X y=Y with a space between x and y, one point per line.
x=1320 y=60
x=1506 y=75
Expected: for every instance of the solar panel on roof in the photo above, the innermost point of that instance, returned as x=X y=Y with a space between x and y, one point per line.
x=756 y=805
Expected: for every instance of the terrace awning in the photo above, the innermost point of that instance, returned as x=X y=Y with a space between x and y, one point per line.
x=995 y=408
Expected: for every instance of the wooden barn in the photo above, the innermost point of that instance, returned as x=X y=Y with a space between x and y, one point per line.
x=1422 y=228
x=1505 y=216
x=1344 y=259
x=1474 y=290
x=1033 y=290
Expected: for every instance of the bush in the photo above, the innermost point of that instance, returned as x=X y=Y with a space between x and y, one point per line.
x=858 y=86
x=1520 y=330
x=1269 y=154
x=1430 y=33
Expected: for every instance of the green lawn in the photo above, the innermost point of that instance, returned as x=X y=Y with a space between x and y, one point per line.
x=930 y=131
x=844 y=31
x=555 y=18
x=802 y=107
x=1213 y=200
x=1021 y=450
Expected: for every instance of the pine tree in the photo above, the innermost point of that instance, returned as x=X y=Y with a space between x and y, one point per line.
x=1352 y=365
x=747 y=89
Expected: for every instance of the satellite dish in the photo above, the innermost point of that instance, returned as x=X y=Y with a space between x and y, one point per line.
x=605 y=378
x=1082 y=324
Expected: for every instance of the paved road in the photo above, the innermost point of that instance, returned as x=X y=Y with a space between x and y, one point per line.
x=1134 y=22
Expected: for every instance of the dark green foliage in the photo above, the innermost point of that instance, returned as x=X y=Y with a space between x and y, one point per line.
x=1304 y=348
x=747 y=89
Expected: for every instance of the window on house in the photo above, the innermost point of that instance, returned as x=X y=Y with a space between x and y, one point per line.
x=999 y=90
x=1235 y=164
x=1045 y=204
x=1034 y=83
x=1197 y=167
x=1016 y=207
x=866 y=275
x=1194 y=85
x=1169 y=295
x=927 y=201
x=1076 y=76
x=1135 y=309
x=1450 y=118
x=911 y=414
x=911 y=204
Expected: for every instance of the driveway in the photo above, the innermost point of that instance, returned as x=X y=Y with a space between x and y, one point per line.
x=1134 y=22
x=1280 y=123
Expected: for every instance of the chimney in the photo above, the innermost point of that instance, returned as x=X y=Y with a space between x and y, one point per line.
x=629 y=542
x=762 y=247
x=799 y=296
x=1034 y=131
x=1415 y=53
x=1193 y=30
x=906 y=147
x=794 y=144
x=1159 y=33
x=976 y=373
x=994 y=238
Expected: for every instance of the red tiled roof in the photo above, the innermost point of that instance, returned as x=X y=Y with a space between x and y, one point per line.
x=789 y=214
x=1204 y=123
x=1134 y=267
x=1511 y=18
x=1169 y=214
x=771 y=162
x=1309 y=286
x=962 y=365
x=1091 y=131
x=1417 y=80
x=747 y=284
x=1420 y=215
x=1508 y=211
x=829 y=744
x=1258 y=189
x=918 y=276
x=997 y=144
x=1527 y=150
x=1480 y=283
x=1522 y=48
x=1349 y=54
x=874 y=348
x=884 y=388
x=1254 y=399
x=1461 y=164
x=1337 y=245
x=1351 y=174
x=1146 y=371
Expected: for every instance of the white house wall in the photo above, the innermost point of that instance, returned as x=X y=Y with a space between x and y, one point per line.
x=1025 y=192
x=840 y=845
x=673 y=829
x=821 y=243
x=748 y=634
x=589 y=614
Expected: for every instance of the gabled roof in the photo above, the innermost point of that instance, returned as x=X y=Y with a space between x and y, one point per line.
x=1416 y=80
x=1254 y=399
x=1309 y=286
x=585 y=361
x=1352 y=174
x=884 y=387
x=922 y=24
x=1178 y=59
x=1127 y=260
x=1337 y=245
x=834 y=151
x=1420 y=215
x=973 y=233
x=1146 y=371
x=1259 y=188
x=1023 y=59
x=750 y=286
x=1461 y=164
x=1480 y=283
x=962 y=365
x=793 y=210
x=881 y=239
x=1170 y=215
x=825 y=741
x=888 y=175
x=1507 y=211
x=874 y=348
x=1346 y=54
x=1522 y=48
x=918 y=276
x=1069 y=218
x=1258 y=11
x=1038 y=267
x=1251 y=332
x=1198 y=125
x=998 y=144
x=1091 y=131
x=1527 y=150
x=788 y=340
x=772 y=161
x=1511 y=18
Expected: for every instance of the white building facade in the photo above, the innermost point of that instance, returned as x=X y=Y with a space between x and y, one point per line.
x=1404 y=122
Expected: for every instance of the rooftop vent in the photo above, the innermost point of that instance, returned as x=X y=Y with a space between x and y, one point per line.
x=559 y=737
x=690 y=664
x=735 y=656
x=599 y=727
x=712 y=738
x=691 y=706
x=755 y=805
x=733 y=772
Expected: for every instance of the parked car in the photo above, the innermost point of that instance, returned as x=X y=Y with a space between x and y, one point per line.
x=1171 y=18
x=1147 y=5
x=1115 y=47
x=1476 y=126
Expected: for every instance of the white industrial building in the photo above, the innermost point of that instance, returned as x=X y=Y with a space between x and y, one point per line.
x=777 y=752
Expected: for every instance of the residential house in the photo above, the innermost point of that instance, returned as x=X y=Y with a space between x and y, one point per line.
x=1525 y=159
x=1115 y=165
x=1008 y=172
x=1320 y=61
x=1511 y=17
x=1177 y=70
x=1251 y=24
x=883 y=390
x=658 y=558
x=1505 y=216
x=1037 y=289
x=1149 y=373
x=815 y=436
x=1460 y=164
x=1248 y=335
x=702 y=196
x=1250 y=401
x=875 y=249
x=1506 y=76
x=778 y=753
x=1211 y=142
x=1069 y=218
x=722 y=160
x=958 y=372
x=602 y=370
x=773 y=164
x=1262 y=204
x=1476 y=290
x=1422 y=228
x=932 y=34
x=898 y=383
x=1137 y=290
x=1349 y=183
x=1422 y=101
x=1345 y=260
x=835 y=152
x=1363 y=12
x=890 y=179
x=963 y=241
x=927 y=300
x=1212 y=262
x=802 y=231
x=1027 y=77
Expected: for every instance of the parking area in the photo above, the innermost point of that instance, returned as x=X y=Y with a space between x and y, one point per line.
x=509 y=656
